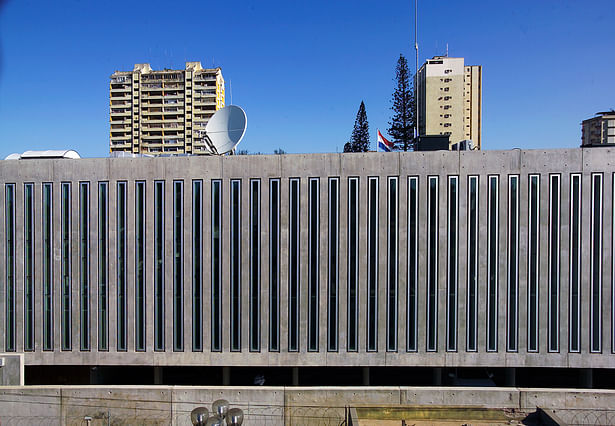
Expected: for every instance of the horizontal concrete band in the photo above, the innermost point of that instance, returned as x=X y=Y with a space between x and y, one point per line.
x=272 y=405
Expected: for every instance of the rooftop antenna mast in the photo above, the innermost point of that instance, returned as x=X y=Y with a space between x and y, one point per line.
x=416 y=78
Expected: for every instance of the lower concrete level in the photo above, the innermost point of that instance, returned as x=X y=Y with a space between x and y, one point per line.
x=283 y=405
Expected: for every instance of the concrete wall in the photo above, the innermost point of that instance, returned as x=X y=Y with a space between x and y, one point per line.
x=11 y=369
x=323 y=166
x=268 y=405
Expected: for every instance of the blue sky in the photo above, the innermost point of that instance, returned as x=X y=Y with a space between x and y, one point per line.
x=301 y=69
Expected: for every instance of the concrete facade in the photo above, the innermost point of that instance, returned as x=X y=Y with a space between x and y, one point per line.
x=449 y=97
x=157 y=112
x=587 y=163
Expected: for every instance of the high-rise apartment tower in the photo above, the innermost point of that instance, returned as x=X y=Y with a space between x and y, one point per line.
x=159 y=112
x=449 y=96
x=599 y=130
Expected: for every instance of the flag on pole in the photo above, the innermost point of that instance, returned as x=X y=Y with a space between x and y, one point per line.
x=383 y=144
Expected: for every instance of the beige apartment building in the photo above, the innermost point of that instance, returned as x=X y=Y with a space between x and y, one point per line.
x=450 y=99
x=599 y=130
x=163 y=112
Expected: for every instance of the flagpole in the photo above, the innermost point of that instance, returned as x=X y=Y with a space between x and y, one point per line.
x=416 y=77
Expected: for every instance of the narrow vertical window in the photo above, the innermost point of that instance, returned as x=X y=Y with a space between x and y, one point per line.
x=333 y=304
x=596 y=265
x=575 y=264
x=197 y=265
x=140 y=319
x=512 y=319
x=103 y=289
x=178 y=265
x=413 y=260
x=66 y=268
x=47 y=267
x=121 y=267
x=84 y=263
x=453 y=237
x=10 y=266
x=613 y=270
x=372 y=265
x=492 y=264
x=255 y=265
x=159 y=265
x=216 y=265
x=274 y=264
x=472 y=291
x=314 y=231
x=235 y=265
x=533 y=263
x=353 y=264
x=432 y=264
x=392 y=232
x=554 y=252
x=28 y=267
x=293 y=266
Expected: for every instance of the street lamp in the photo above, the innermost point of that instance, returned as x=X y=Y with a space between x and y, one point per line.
x=234 y=417
x=219 y=408
x=219 y=413
x=199 y=415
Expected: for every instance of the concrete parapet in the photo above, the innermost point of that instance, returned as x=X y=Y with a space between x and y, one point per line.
x=274 y=405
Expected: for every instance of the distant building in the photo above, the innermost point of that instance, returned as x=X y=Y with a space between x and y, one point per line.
x=160 y=112
x=599 y=130
x=450 y=99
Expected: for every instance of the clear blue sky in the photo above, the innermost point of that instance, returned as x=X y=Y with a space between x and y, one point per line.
x=301 y=69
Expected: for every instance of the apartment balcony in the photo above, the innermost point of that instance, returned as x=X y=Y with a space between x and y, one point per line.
x=119 y=104
x=173 y=96
x=166 y=120
x=121 y=89
x=121 y=137
x=207 y=77
x=125 y=97
x=163 y=126
x=120 y=127
x=146 y=104
x=204 y=101
x=204 y=86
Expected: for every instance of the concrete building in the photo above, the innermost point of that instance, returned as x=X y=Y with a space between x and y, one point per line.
x=449 y=97
x=136 y=270
x=599 y=130
x=162 y=112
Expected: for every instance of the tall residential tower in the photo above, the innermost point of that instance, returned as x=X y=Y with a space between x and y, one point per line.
x=599 y=130
x=158 y=112
x=449 y=97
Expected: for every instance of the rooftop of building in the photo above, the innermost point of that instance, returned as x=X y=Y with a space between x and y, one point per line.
x=601 y=115
x=144 y=68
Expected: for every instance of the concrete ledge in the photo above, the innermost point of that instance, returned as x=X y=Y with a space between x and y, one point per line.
x=269 y=405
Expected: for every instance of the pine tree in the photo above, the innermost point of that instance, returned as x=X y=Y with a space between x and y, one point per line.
x=359 y=140
x=402 y=124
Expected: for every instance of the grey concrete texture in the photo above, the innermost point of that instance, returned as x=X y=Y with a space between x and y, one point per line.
x=11 y=369
x=268 y=405
x=422 y=165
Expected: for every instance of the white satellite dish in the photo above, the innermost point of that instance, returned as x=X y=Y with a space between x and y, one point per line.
x=225 y=129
